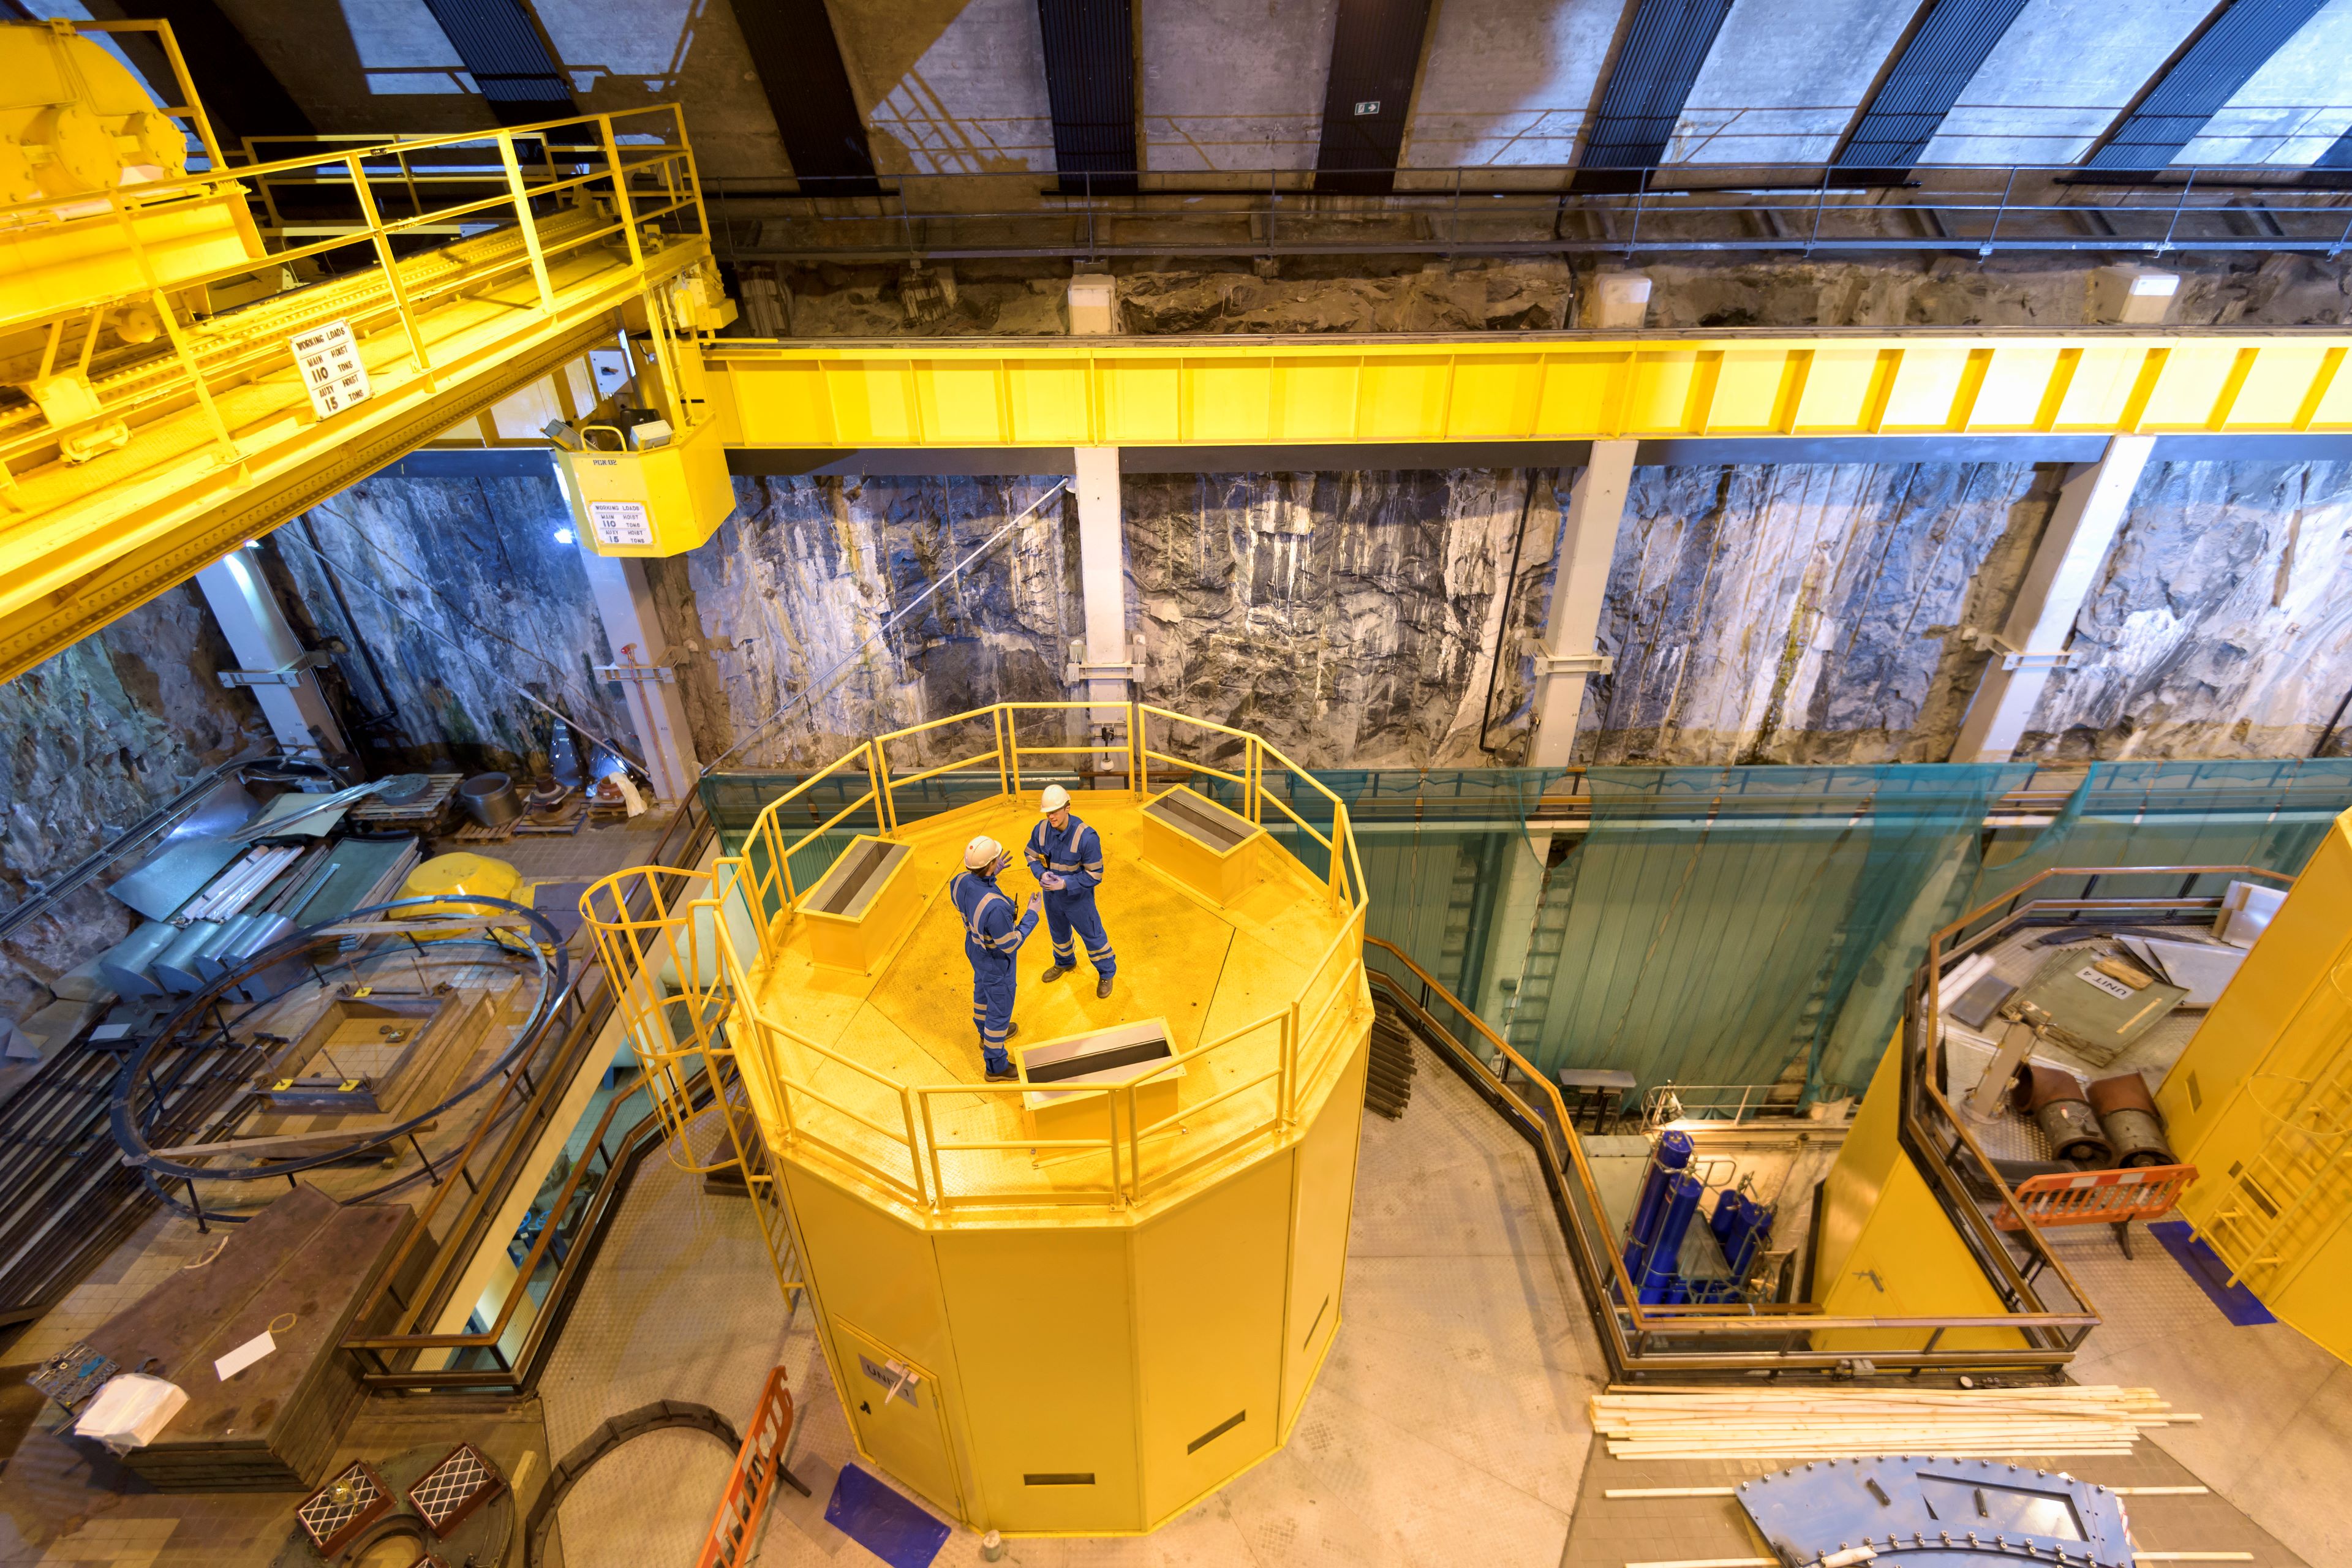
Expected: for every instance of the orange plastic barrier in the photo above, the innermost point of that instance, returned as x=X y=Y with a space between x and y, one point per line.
x=735 y=1532
x=2099 y=1198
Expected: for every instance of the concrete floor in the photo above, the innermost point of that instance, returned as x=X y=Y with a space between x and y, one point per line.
x=1448 y=1426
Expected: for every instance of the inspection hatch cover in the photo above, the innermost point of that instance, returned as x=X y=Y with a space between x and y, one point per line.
x=346 y=1505
x=455 y=1488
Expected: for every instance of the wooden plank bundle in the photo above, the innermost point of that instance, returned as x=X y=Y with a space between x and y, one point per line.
x=1825 y=1424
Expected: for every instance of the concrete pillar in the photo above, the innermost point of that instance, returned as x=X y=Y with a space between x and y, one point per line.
x=1510 y=930
x=1102 y=583
x=625 y=603
x=1093 y=304
x=1618 y=301
x=1564 y=654
x=265 y=645
x=2133 y=296
x=2064 y=569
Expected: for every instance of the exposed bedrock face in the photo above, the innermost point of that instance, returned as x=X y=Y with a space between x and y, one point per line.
x=1410 y=294
x=1350 y=618
x=1788 y=613
x=472 y=608
x=96 y=737
x=806 y=571
x=2223 y=623
x=1806 y=613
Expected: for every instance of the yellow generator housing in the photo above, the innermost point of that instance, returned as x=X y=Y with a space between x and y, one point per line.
x=2261 y=1100
x=1056 y=1310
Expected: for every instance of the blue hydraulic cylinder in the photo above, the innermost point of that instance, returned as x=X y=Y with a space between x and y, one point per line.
x=1672 y=1154
x=1747 y=1236
x=1660 y=1269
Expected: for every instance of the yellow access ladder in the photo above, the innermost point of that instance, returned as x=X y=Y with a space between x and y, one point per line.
x=2286 y=1198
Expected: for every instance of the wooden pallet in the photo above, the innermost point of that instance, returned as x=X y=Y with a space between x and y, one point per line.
x=420 y=812
x=567 y=818
x=475 y=833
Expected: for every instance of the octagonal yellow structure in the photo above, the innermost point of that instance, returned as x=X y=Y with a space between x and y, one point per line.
x=1082 y=1327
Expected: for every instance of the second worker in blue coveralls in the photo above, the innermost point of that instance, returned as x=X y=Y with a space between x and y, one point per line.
x=1067 y=856
x=992 y=935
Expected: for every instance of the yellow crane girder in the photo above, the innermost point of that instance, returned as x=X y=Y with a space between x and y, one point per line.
x=168 y=410
x=1547 y=387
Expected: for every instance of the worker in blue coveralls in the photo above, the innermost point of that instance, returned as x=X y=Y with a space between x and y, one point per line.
x=992 y=936
x=1068 y=860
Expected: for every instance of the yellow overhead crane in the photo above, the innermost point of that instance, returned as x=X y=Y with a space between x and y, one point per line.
x=179 y=382
x=157 y=341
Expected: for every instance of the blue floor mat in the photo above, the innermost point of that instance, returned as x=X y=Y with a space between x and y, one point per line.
x=882 y=1521
x=2203 y=1266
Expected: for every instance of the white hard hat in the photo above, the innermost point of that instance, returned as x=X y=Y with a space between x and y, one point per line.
x=1056 y=799
x=982 y=852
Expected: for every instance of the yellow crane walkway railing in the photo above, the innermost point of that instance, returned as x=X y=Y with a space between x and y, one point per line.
x=189 y=384
x=689 y=970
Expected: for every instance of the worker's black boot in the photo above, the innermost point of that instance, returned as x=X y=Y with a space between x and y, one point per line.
x=1055 y=971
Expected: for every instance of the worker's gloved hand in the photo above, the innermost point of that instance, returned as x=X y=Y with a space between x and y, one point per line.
x=1051 y=882
x=1033 y=903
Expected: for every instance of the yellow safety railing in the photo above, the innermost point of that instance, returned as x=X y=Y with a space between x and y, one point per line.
x=902 y=1137
x=524 y=241
x=949 y=1195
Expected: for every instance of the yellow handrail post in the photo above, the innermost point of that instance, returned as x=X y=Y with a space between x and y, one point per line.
x=526 y=222
x=391 y=270
x=686 y=156
x=882 y=760
x=1134 y=748
x=623 y=207
x=1290 y=1054
x=1012 y=746
x=930 y=1141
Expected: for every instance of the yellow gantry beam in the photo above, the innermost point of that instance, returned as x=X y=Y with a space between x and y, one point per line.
x=167 y=449
x=1224 y=391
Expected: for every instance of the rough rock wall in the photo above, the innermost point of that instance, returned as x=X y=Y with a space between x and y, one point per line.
x=1350 y=618
x=2222 y=625
x=806 y=570
x=2001 y=291
x=1805 y=613
x=1469 y=296
x=460 y=591
x=97 y=737
x=1376 y=294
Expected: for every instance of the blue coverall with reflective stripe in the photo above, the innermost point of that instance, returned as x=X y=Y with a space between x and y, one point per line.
x=1074 y=855
x=993 y=930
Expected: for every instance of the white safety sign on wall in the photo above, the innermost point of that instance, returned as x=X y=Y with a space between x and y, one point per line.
x=329 y=358
x=621 y=523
